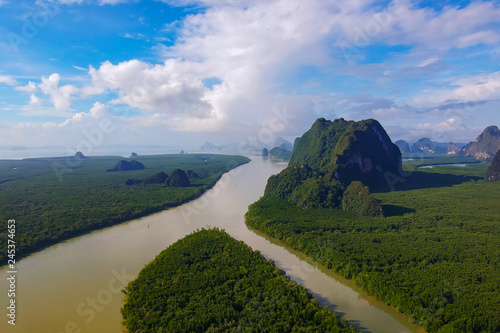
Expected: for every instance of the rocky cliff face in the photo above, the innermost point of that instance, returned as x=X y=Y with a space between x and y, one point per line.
x=329 y=158
x=453 y=149
x=485 y=146
x=494 y=169
x=348 y=151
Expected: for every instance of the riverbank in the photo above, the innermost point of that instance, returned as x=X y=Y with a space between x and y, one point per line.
x=57 y=283
x=439 y=287
x=49 y=209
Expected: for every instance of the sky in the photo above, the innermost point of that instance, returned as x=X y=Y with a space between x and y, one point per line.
x=106 y=72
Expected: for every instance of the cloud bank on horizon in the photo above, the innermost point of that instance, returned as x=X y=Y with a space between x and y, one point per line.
x=164 y=71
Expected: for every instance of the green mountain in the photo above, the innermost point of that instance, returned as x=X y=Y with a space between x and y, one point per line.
x=348 y=151
x=485 y=146
x=178 y=178
x=280 y=153
x=426 y=145
x=331 y=156
x=494 y=169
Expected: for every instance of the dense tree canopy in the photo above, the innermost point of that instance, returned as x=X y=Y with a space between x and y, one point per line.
x=357 y=199
x=435 y=256
x=209 y=282
x=53 y=199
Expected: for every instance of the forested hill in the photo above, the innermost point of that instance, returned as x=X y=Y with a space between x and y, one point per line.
x=209 y=282
x=334 y=158
x=349 y=151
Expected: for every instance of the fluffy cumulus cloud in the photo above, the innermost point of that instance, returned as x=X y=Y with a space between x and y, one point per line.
x=249 y=48
x=60 y=96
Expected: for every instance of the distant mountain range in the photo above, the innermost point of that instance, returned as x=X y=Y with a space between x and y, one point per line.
x=483 y=148
x=486 y=145
x=210 y=146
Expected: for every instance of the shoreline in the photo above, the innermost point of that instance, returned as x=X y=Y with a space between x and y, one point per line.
x=26 y=253
x=400 y=317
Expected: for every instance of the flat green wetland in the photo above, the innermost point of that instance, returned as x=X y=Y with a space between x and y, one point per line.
x=53 y=199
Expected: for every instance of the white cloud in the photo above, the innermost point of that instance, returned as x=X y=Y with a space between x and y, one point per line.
x=3 y=2
x=248 y=45
x=392 y=111
x=7 y=79
x=35 y=100
x=401 y=23
x=112 y=2
x=60 y=96
x=80 y=68
x=31 y=87
x=468 y=90
x=71 y=2
x=137 y=36
x=99 y=2
x=427 y=62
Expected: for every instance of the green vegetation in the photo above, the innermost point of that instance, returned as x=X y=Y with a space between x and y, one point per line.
x=413 y=161
x=57 y=198
x=305 y=188
x=178 y=178
x=330 y=156
x=125 y=165
x=279 y=153
x=357 y=199
x=435 y=256
x=209 y=282
x=348 y=150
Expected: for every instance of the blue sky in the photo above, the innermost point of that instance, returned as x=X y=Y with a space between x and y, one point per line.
x=185 y=71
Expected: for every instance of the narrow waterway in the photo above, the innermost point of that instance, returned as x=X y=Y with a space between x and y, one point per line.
x=75 y=286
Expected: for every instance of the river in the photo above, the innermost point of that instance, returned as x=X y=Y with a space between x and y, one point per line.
x=75 y=286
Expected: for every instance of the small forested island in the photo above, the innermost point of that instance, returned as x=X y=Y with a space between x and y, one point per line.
x=209 y=282
x=53 y=199
x=426 y=241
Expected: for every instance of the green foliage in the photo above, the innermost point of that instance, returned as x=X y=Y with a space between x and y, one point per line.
x=357 y=199
x=414 y=161
x=349 y=150
x=494 y=169
x=209 y=282
x=435 y=256
x=315 y=147
x=332 y=155
x=178 y=178
x=316 y=193
x=279 y=153
x=54 y=199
